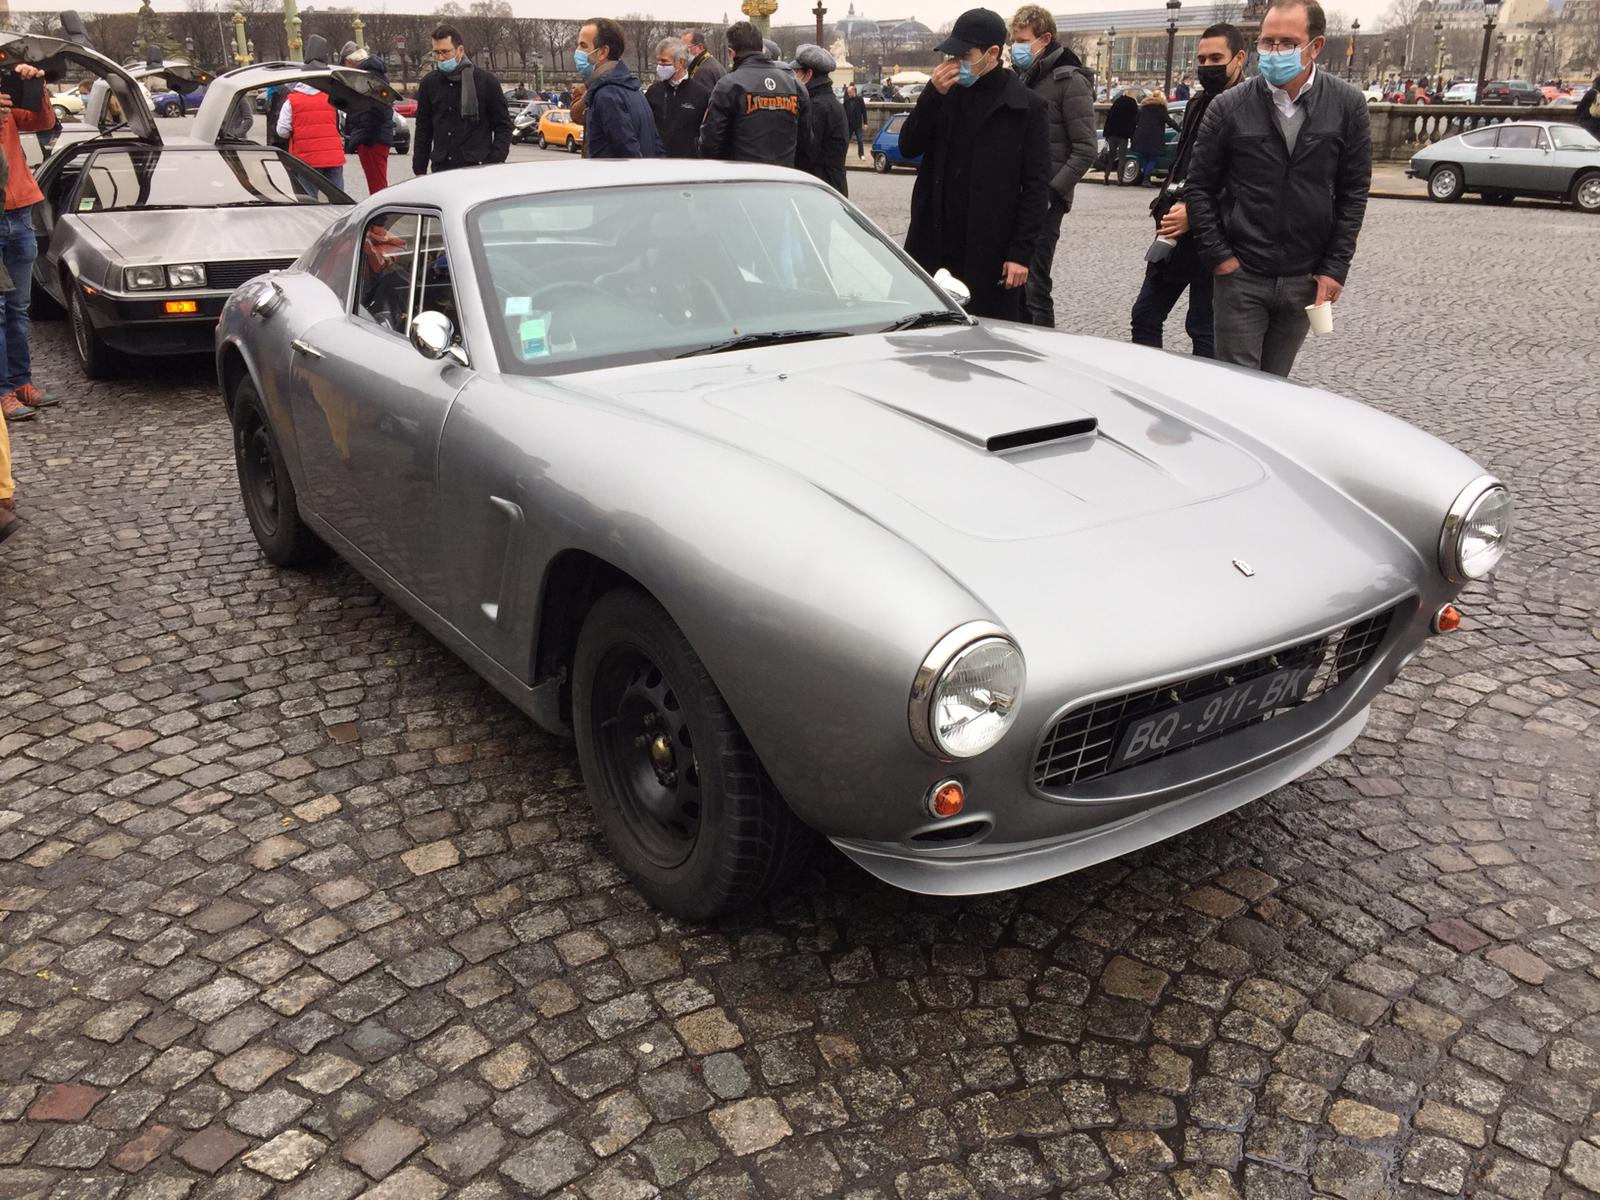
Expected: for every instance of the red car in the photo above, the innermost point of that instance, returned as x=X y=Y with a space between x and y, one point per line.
x=406 y=107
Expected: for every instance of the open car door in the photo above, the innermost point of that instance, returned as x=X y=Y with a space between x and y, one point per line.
x=57 y=57
x=228 y=110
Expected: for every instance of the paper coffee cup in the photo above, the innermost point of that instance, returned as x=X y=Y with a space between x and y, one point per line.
x=1321 y=316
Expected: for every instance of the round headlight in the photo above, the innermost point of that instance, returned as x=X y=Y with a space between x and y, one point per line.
x=1476 y=531
x=965 y=697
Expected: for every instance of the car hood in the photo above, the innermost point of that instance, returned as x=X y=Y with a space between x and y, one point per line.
x=196 y=235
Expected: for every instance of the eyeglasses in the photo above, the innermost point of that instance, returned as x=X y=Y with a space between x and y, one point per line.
x=443 y=54
x=1268 y=45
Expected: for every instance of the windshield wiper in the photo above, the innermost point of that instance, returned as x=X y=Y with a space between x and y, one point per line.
x=776 y=338
x=936 y=316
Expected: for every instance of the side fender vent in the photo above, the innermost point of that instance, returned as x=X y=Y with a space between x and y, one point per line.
x=1017 y=439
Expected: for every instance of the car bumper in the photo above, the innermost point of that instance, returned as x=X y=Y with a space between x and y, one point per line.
x=989 y=868
x=141 y=324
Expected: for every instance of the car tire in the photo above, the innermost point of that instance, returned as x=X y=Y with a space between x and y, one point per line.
x=699 y=838
x=881 y=164
x=543 y=145
x=1586 y=192
x=62 y=115
x=93 y=354
x=266 y=488
x=572 y=144
x=1128 y=171
x=1446 y=184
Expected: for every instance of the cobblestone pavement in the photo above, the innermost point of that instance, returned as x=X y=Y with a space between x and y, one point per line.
x=291 y=904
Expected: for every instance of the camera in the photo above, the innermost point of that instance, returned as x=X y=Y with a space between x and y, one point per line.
x=26 y=94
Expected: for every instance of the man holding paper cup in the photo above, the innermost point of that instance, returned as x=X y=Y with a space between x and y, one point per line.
x=1277 y=191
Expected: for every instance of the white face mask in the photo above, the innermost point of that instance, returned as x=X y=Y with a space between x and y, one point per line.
x=665 y=71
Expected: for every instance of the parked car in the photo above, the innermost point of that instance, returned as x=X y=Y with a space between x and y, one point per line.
x=142 y=238
x=1512 y=91
x=1129 y=168
x=886 y=154
x=1375 y=95
x=1550 y=159
x=525 y=119
x=402 y=134
x=998 y=641
x=406 y=106
x=172 y=104
x=1461 y=93
x=68 y=104
x=557 y=128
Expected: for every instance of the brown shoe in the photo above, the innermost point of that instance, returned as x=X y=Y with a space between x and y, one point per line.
x=9 y=522
x=35 y=396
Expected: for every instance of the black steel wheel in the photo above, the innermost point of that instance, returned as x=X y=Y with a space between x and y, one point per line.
x=265 y=486
x=679 y=793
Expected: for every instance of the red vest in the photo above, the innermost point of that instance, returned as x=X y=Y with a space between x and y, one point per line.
x=314 y=136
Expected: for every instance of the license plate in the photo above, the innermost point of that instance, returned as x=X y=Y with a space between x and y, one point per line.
x=1173 y=728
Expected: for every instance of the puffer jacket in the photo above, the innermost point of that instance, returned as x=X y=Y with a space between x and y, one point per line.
x=758 y=113
x=1067 y=88
x=1281 y=213
x=371 y=124
x=824 y=157
x=314 y=137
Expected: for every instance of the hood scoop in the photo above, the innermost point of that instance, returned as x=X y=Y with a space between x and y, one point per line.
x=1001 y=442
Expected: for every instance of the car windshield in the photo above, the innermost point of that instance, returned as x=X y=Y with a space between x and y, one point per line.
x=1570 y=137
x=133 y=177
x=578 y=280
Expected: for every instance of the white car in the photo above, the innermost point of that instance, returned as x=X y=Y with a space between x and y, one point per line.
x=1461 y=93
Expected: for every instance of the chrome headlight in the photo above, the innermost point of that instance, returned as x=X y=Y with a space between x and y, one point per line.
x=1476 y=530
x=186 y=275
x=965 y=694
x=144 y=278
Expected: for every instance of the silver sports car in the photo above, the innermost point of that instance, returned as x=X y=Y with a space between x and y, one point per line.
x=1548 y=159
x=789 y=542
x=141 y=239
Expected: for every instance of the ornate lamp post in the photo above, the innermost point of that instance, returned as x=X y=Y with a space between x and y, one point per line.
x=241 y=48
x=1491 y=9
x=1350 y=51
x=294 y=37
x=1111 y=51
x=1538 y=55
x=1172 y=36
x=360 y=28
x=1499 y=49
x=1438 y=55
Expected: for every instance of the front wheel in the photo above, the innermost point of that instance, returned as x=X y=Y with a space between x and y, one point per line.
x=1129 y=170
x=880 y=163
x=1586 y=192
x=1446 y=183
x=268 y=492
x=680 y=795
x=543 y=145
x=93 y=354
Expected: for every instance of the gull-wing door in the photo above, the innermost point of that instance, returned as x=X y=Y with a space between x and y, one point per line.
x=228 y=97
x=57 y=58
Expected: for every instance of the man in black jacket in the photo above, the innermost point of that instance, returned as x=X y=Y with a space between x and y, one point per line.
x=824 y=157
x=982 y=189
x=678 y=101
x=758 y=112
x=703 y=66
x=1277 y=191
x=1058 y=77
x=855 y=117
x=462 y=117
x=1220 y=58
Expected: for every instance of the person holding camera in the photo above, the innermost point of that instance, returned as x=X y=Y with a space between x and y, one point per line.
x=20 y=397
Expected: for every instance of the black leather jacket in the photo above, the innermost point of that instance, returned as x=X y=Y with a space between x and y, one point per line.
x=758 y=113
x=1281 y=213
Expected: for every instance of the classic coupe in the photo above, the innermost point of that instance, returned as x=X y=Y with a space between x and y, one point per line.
x=557 y=128
x=790 y=543
x=1550 y=160
x=141 y=238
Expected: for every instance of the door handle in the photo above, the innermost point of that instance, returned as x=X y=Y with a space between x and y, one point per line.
x=303 y=348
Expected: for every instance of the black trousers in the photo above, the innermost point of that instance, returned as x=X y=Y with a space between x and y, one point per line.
x=1164 y=283
x=1038 y=291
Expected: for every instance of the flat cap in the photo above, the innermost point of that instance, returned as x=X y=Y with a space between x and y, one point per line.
x=812 y=58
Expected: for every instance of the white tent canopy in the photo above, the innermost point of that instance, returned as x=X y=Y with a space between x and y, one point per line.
x=905 y=77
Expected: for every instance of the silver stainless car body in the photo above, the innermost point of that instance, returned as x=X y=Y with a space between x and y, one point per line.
x=817 y=516
x=1536 y=165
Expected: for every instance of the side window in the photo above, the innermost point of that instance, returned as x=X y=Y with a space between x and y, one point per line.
x=1519 y=137
x=433 y=290
x=383 y=280
x=1480 y=139
x=329 y=258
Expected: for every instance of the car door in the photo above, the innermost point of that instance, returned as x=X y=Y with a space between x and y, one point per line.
x=371 y=406
x=1471 y=152
x=1515 y=161
x=1529 y=164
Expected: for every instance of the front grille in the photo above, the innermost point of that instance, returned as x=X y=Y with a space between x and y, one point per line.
x=1080 y=745
x=231 y=274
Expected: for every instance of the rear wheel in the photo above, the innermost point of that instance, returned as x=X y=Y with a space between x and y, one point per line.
x=268 y=492
x=680 y=795
x=572 y=143
x=1586 y=192
x=880 y=163
x=93 y=354
x=1129 y=170
x=1446 y=184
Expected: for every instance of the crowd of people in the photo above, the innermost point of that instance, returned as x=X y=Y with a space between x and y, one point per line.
x=1257 y=220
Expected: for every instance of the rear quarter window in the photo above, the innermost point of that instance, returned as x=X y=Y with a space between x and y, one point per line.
x=1479 y=139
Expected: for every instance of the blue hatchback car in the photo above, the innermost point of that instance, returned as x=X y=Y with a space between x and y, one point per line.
x=886 y=154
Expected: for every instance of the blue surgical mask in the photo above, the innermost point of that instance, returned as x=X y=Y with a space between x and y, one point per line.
x=449 y=64
x=1278 y=67
x=1022 y=55
x=968 y=76
x=580 y=59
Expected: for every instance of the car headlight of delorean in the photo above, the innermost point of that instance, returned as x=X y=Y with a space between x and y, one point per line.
x=138 y=279
x=1476 y=530
x=964 y=697
x=184 y=275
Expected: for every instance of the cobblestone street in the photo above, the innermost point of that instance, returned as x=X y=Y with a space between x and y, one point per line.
x=292 y=905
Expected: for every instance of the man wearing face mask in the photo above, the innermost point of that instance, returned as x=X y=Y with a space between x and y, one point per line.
x=982 y=190
x=462 y=118
x=758 y=111
x=678 y=101
x=1277 y=190
x=619 y=123
x=1220 y=59
x=812 y=67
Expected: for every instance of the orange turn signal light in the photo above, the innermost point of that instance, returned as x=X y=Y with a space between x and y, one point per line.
x=1447 y=619
x=177 y=307
x=947 y=799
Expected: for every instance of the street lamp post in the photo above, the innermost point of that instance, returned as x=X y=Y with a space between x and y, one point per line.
x=1499 y=49
x=1172 y=36
x=1538 y=55
x=241 y=48
x=360 y=28
x=1491 y=9
x=1438 y=57
x=1350 y=51
x=819 y=12
x=1111 y=52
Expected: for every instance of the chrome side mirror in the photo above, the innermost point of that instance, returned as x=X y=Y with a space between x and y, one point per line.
x=433 y=335
x=952 y=287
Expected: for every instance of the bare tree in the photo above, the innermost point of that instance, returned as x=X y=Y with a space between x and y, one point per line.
x=1402 y=20
x=558 y=36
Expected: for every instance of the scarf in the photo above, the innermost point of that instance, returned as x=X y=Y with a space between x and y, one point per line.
x=469 y=93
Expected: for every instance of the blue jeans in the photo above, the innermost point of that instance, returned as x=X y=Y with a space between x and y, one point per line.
x=17 y=250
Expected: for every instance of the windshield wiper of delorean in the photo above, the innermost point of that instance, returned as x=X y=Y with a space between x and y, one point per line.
x=776 y=338
x=935 y=316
